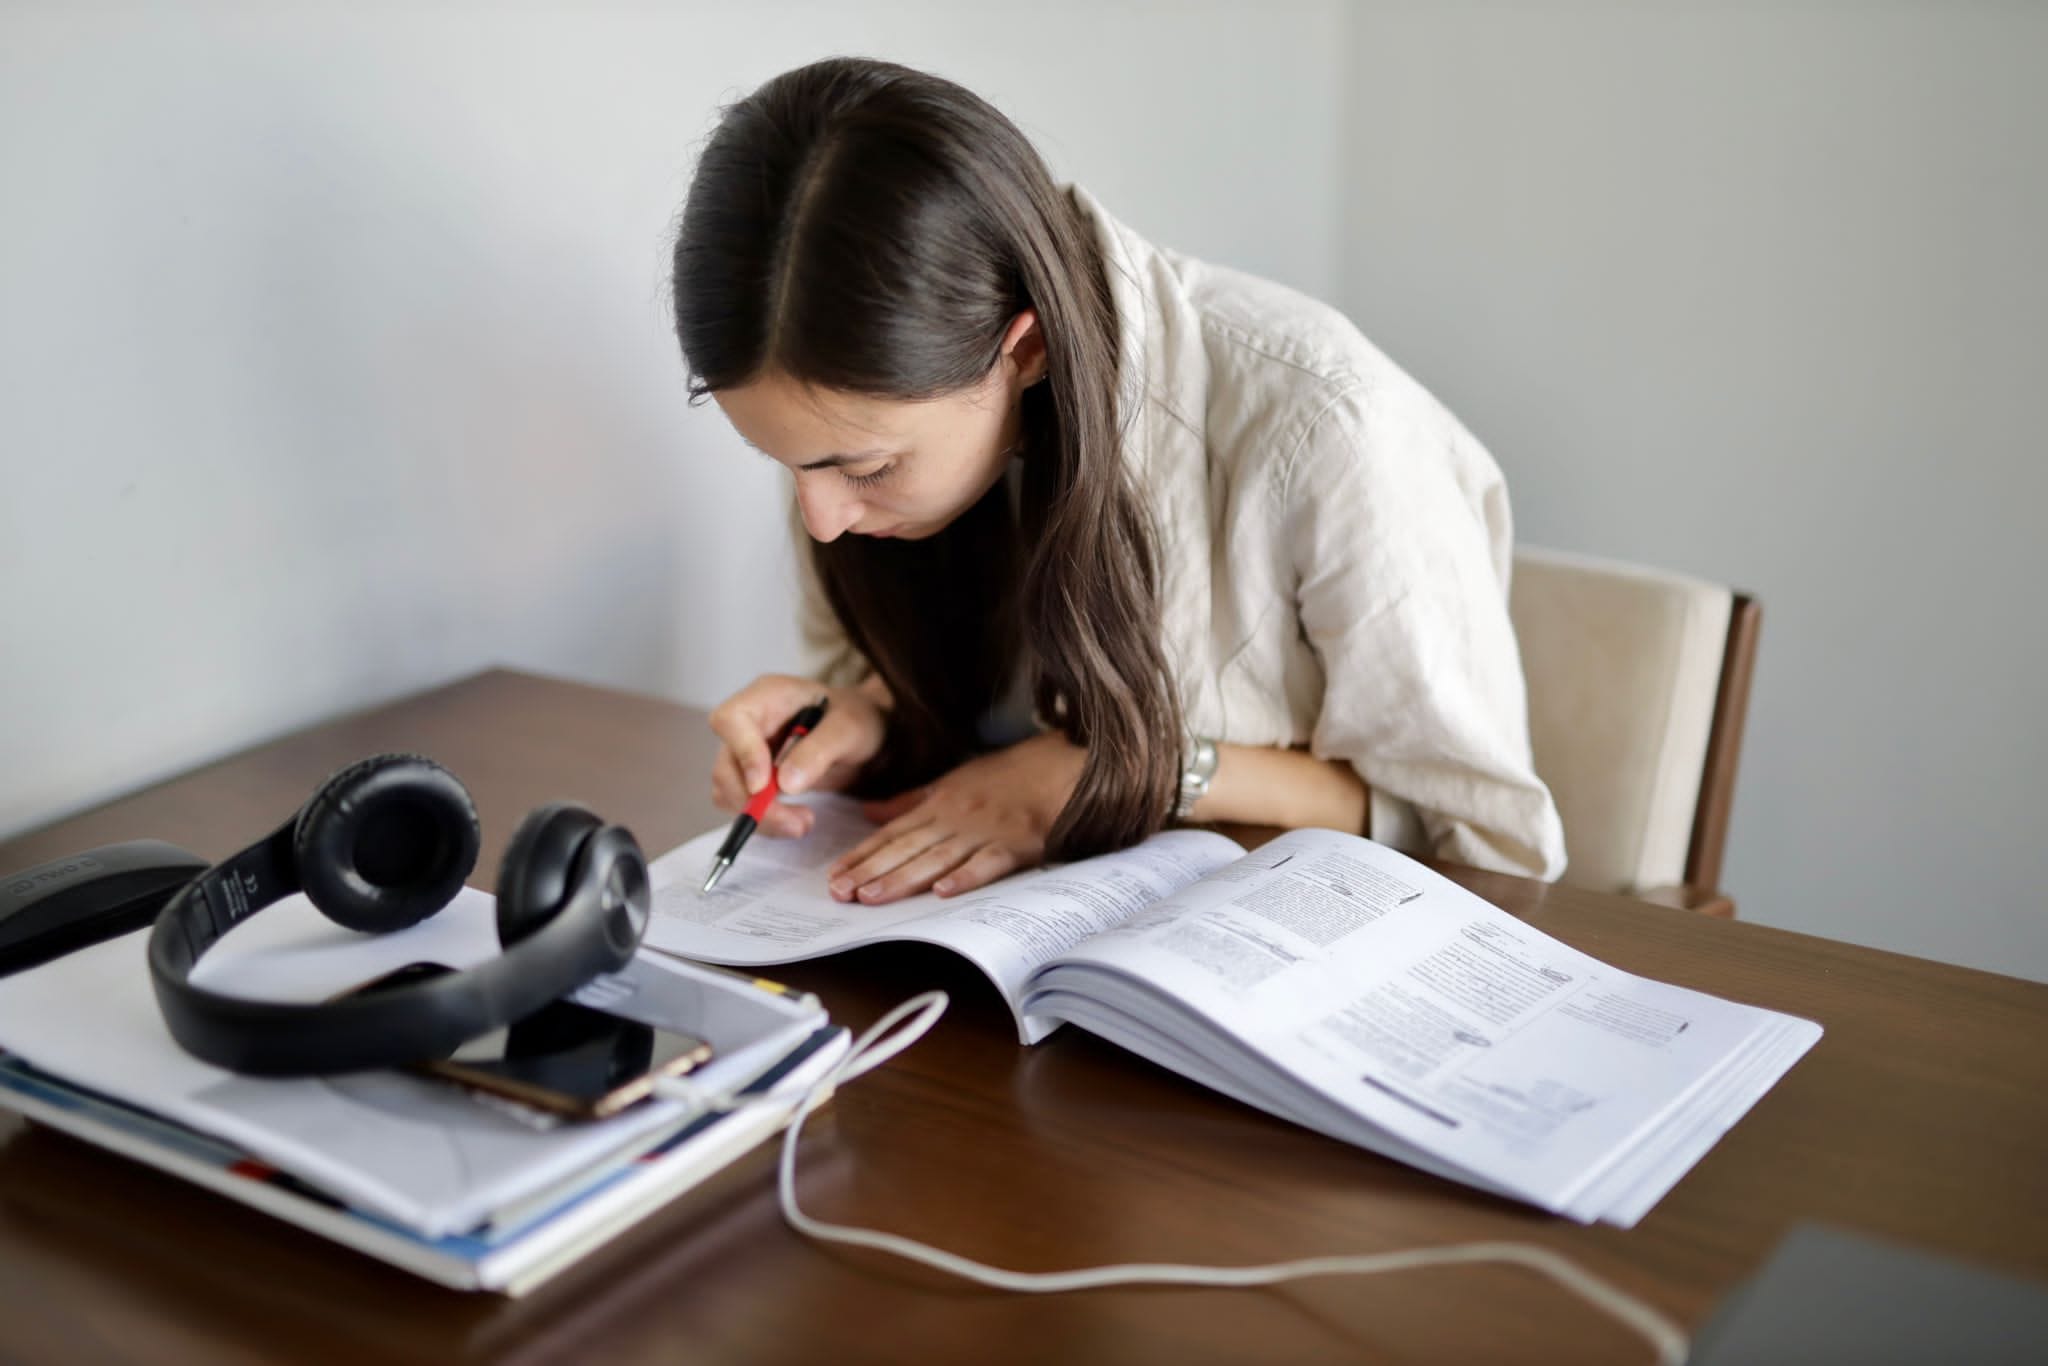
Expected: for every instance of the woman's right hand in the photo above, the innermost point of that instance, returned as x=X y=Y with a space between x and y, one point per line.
x=826 y=760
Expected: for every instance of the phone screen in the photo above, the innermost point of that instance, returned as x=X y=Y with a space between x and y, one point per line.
x=565 y=1057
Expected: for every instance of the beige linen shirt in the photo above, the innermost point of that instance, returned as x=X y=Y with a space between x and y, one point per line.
x=1334 y=549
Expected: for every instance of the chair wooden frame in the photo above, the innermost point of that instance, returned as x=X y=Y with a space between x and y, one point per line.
x=1701 y=889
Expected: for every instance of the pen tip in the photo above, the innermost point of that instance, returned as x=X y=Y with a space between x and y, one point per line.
x=717 y=872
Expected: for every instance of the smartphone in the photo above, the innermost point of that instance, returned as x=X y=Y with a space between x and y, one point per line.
x=565 y=1058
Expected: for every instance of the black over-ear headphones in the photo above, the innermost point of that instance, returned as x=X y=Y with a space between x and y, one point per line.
x=382 y=845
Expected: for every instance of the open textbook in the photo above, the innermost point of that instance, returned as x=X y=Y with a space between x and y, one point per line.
x=1323 y=978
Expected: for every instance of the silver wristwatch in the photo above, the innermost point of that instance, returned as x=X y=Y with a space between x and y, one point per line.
x=1196 y=777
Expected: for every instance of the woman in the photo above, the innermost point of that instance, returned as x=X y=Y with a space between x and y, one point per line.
x=1095 y=536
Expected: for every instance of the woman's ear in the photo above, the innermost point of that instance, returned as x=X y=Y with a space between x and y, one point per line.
x=1024 y=344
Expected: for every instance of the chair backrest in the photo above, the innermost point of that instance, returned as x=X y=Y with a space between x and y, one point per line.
x=1638 y=686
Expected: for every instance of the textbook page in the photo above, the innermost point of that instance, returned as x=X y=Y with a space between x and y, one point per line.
x=1339 y=967
x=772 y=905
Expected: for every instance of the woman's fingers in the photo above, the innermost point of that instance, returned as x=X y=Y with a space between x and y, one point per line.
x=728 y=793
x=751 y=718
x=988 y=863
x=842 y=737
x=728 y=788
x=787 y=820
x=754 y=719
x=882 y=852
x=984 y=820
x=917 y=873
x=889 y=831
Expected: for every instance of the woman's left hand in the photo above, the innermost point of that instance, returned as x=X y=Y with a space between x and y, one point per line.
x=986 y=818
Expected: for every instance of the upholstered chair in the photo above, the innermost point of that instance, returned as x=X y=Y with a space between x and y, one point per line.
x=1638 y=686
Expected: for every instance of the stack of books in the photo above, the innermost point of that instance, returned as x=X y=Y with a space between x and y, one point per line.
x=470 y=1191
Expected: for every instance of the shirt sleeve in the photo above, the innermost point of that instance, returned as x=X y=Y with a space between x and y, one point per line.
x=827 y=654
x=1401 y=534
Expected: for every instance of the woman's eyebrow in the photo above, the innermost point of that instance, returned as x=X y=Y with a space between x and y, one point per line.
x=829 y=461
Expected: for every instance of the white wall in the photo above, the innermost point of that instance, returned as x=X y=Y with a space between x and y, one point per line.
x=1760 y=292
x=334 y=360
x=334 y=353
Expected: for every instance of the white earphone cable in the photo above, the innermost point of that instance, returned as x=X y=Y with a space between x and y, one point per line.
x=877 y=1044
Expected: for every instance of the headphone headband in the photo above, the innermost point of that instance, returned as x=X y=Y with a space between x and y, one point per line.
x=595 y=929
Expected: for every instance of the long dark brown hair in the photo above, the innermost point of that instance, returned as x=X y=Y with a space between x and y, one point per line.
x=863 y=227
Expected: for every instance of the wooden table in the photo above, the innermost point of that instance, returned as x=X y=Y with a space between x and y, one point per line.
x=1922 y=1115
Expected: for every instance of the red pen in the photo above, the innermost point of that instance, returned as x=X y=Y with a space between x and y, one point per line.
x=802 y=724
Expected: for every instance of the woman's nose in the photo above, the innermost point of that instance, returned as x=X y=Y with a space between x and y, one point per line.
x=826 y=515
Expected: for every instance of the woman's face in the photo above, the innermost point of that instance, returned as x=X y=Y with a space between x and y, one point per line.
x=884 y=467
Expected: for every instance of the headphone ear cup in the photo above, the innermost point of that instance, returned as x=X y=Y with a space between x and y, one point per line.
x=539 y=867
x=386 y=842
